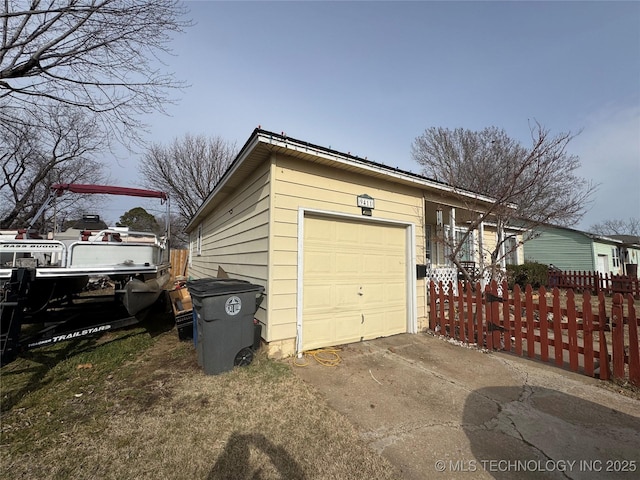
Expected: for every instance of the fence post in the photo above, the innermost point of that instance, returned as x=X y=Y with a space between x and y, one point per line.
x=488 y=330
x=531 y=332
x=572 y=330
x=605 y=370
x=432 y=306
x=517 y=317
x=451 y=321
x=634 y=353
x=495 y=316
x=440 y=331
x=587 y=330
x=470 y=316
x=557 y=328
x=479 y=318
x=544 y=325
x=506 y=317
x=602 y=312
x=617 y=326
x=461 y=318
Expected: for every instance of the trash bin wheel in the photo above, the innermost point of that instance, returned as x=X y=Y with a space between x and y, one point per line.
x=244 y=357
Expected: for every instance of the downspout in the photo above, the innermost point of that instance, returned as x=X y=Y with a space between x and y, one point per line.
x=427 y=279
x=452 y=228
x=503 y=260
x=439 y=233
x=481 y=252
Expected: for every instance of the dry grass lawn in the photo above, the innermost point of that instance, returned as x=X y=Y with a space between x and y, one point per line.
x=137 y=406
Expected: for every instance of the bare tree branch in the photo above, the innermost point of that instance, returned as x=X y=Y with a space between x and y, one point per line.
x=617 y=227
x=187 y=170
x=38 y=151
x=529 y=186
x=93 y=54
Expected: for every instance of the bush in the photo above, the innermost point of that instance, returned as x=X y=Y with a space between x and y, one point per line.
x=529 y=273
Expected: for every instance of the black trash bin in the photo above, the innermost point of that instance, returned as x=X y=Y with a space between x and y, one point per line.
x=224 y=310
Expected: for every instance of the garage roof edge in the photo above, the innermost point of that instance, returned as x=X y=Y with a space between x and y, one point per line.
x=283 y=141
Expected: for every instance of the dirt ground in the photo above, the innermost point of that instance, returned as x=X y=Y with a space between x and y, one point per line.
x=72 y=413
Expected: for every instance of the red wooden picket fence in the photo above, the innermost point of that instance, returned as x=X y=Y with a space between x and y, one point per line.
x=595 y=282
x=577 y=336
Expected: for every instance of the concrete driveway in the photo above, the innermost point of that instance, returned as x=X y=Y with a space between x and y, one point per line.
x=437 y=410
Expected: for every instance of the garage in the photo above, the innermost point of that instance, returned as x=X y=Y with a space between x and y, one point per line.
x=354 y=284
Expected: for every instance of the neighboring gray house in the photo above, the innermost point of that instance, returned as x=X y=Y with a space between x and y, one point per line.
x=569 y=249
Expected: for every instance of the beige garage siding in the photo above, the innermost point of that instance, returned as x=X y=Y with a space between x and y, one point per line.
x=297 y=184
x=236 y=236
x=354 y=281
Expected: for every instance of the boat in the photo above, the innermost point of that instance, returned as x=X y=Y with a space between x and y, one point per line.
x=40 y=277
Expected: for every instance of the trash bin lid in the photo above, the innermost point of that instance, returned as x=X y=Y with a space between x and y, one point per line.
x=209 y=287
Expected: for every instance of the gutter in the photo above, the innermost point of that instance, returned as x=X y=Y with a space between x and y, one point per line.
x=286 y=143
x=305 y=147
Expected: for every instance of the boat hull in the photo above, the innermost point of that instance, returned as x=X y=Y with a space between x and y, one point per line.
x=139 y=295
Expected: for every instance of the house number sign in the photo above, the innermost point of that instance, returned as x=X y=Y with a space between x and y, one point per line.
x=365 y=201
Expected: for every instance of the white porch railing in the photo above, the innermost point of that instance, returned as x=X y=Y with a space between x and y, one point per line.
x=449 y=276
x=446 y=275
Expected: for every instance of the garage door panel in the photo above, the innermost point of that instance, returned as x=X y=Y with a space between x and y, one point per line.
x=319 y=332
x=347 y=263
x=373 y=325
x=395 y=263
x=318 y=297
x=347 y=327
x=348 y=234
x=373 y=293
x=319 y=262
x=317 y=232
x=373 y=264
x=342 y=329
x=359 y=269
x=394 y=293
x=346 y=296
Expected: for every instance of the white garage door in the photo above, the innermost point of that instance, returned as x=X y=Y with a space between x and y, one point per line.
x=355 y=281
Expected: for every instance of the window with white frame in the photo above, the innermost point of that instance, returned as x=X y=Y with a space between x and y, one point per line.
x=465 y=254
x=427 y=244
x=199 y=241
x=511 y=250
x=615 y=257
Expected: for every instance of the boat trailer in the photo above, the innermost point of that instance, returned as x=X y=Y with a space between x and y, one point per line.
x=63 y=323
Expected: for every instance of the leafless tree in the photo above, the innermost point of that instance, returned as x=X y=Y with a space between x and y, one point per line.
x=617 y=227
x=528 y=186
x=55 y=145
x=99 y=55
x=187 y=170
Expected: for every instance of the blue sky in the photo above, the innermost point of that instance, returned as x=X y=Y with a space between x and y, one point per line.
x=368 y=77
